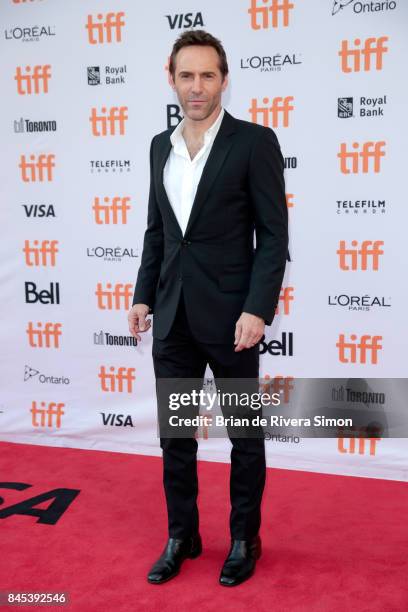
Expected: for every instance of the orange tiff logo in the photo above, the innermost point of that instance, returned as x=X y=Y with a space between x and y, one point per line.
x=34 y=81
x=117 y=381
x=270 y=116
x=110 y=122
x=278 y=384
x=348 y=445
x=290 y=202
x=285 y=298
x=105 y=28
x=355 y=258
x=352 y=59
x=48 y=415
x=47 y=337
x=358 y=350
x=113 y=210
x=353 y=162
x=114 y=297
x=268 y=13
x=40 y=254
x=38 y=169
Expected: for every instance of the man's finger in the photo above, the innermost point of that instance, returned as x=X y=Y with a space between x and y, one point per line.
x=238 y=332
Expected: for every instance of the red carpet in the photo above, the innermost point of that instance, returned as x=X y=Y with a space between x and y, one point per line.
x=331 y=543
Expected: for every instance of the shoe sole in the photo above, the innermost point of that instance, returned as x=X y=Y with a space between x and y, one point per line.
x=257 y=556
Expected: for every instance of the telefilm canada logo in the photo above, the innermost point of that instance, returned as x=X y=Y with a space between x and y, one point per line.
x=98 y=166
x=361 y=207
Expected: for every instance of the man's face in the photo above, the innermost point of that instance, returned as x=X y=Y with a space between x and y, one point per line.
x=198 y=81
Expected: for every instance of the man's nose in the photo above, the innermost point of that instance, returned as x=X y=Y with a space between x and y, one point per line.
x=197 y=84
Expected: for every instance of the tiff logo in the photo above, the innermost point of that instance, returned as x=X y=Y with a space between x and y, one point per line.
x=348 y=445
x=270 y=115
x=35 y=80
x=357 y=258
x=43 y=255
x=37 y=169
x=270 y=13
x=110 y=122
x=49 y=415
x=112 y=382
x=372 y=47
x=350 y=160
x=278 y=384
x=114 y=298
x=113 y=210
x=285 y=298
x=356 y=351
x=44 y=338
x=105 y=28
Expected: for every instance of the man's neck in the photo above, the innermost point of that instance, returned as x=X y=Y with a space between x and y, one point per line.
x=195 y=129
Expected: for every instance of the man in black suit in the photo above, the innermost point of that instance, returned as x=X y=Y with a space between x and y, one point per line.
x=214 y=180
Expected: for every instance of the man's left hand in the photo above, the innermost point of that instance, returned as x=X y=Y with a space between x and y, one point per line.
x=249 y=329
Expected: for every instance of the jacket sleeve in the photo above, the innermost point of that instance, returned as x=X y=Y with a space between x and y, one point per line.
x=267 y=192
x=152 y=254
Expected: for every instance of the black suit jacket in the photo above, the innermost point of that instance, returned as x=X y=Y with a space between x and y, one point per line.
x=222 y=274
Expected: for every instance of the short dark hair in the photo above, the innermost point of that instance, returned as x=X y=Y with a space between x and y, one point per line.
x=198 y=37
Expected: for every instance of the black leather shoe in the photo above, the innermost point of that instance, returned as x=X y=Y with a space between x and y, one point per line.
x=175 y=552
x=241 y=561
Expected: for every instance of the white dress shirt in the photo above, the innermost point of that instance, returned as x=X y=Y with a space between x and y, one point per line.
x=182 y=174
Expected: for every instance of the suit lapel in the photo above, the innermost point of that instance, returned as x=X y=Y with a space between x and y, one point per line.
x=219 y=150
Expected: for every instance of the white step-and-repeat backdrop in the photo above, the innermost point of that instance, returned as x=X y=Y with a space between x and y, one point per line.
x=84 y=89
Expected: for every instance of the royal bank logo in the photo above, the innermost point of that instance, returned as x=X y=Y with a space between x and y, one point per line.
x=111 y=75
x=367 y=6
x=344 y=108
x=365 y=107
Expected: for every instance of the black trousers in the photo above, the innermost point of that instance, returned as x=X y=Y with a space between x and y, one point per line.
x=180 y=355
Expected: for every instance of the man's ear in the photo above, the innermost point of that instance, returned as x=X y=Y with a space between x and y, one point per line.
x=225 y=83
x=171 y=80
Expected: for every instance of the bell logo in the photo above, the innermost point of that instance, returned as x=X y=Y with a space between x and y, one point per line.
x=44 y=338
x=116 y=298
x=348 y=445
x=268 y=16
x=357 y=259
x=34 y=81
x=270 y=115
x=49 y=415
x=356 y=351
x=112 y=211
x=278 y=384
x=372 y=47
x=285 y=297
x=350 y=160
x=110 y=122
x=114 y=382
x=38 y=169
x=43 y=255
x=105 y=28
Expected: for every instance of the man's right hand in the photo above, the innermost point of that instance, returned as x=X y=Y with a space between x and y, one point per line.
x=137 y=320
